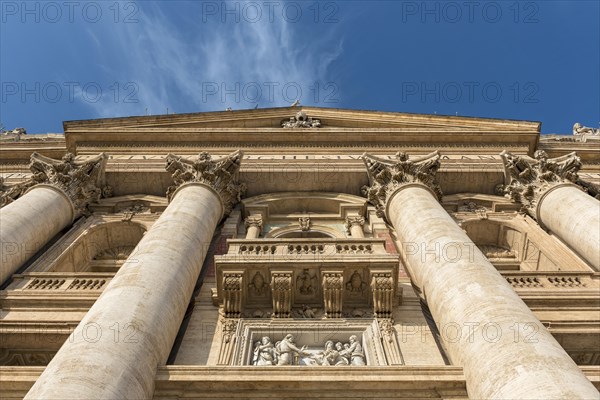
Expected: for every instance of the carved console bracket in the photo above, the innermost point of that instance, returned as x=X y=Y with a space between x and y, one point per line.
x=527 y=180
x=333 y=285
x=233 y=293
x=387 y=176
x=221 y=175
x=382 y=286
x=281 y=287
x=81 y=181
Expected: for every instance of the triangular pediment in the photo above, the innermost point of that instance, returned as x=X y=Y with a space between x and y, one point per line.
x=329 y=117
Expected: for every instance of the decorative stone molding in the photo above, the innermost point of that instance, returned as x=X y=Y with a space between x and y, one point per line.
x=382 y=286
x=221 y=175
x=281 y=286
x=386 y=177
x=233 y=294
x=8 y=194
x=333 y=285
x=301 y=120
x=527 y=180
x=228 y=329
x=354 y=221
x=81 y=181
x=390 y=344
x=304 y=223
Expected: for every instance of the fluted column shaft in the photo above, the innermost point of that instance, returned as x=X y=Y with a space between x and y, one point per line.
x=129 y=331
x=28 y=223
x=504 y=349
x=573 y=216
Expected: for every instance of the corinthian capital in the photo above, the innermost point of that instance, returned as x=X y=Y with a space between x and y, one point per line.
x=81 y=181
x=221 y=175
x=527 y=179
x=387 y=176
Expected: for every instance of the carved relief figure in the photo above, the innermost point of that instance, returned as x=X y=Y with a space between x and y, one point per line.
x=258 y=284
x=356 y=283
x=357 y=357
x=264 y=352
x=285 y=350
x=306 y=283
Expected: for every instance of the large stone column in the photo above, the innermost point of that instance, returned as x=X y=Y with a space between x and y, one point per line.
x=116 y=349
x=546 y=190
x=58 y=193
x=505 y=351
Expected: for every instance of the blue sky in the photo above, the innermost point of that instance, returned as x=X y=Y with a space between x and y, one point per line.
x=532 y=60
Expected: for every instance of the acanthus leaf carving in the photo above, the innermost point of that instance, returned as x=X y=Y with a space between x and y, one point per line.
x=382 y=286
x=526 y=179
x=233 y=294
x=8 y=194
x=386 y=176
x=221 y=175
x=81 y=181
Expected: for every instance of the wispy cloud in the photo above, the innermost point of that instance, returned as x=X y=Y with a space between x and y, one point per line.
x=186 y=64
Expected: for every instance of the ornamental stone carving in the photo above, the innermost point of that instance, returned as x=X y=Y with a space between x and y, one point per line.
x=81 y=181
x=221 y=175
x=354 y=221
x=301 y=120
x=385 y=176
x=333 y=285
x=254 y=221
x=526 y=179
x=304 y=223
x=281 y=286
x=580 y=130
x=8 y=194
x=382 y=286
x=232 y=294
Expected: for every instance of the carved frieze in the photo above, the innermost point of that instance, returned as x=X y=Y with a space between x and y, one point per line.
x=301 y=120
x=526 y=180
x=387 y=176
x=281 y=287
x=81 y=181
x=221 y=175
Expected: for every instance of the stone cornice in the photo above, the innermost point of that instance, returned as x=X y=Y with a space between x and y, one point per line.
x=81 y=181
x=528 y=180
x=221 y=175
x=386 y=177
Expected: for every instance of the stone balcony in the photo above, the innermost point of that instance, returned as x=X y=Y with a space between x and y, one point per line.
x=308 y=250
